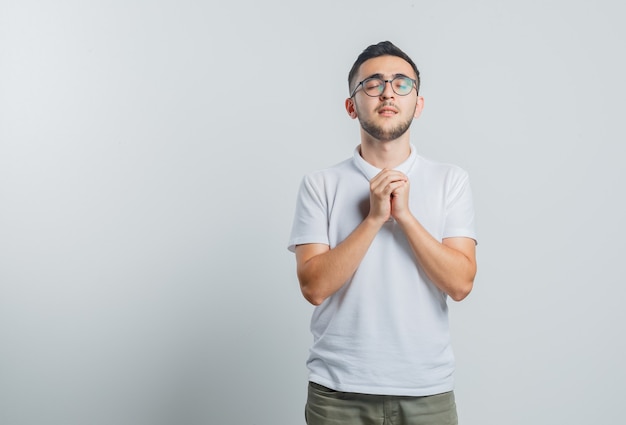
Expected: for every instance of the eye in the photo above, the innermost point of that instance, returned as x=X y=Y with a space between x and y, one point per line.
x=403 y=84
x=372 y=84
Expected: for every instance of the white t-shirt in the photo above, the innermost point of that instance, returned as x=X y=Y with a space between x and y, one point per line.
x=385 y=331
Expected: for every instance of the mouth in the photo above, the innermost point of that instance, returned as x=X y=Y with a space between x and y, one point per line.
x=387 y=110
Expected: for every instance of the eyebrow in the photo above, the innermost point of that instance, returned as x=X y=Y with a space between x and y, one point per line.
x=382 y=77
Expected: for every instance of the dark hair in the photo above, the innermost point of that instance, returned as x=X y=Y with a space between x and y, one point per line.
x=384 y=48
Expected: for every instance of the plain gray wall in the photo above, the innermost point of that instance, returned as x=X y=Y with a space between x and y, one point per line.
x=150 y=153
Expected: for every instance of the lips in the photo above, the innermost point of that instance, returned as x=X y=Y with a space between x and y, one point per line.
x=387 y=109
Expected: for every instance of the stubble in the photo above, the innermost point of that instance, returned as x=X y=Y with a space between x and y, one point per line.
x=385 y=134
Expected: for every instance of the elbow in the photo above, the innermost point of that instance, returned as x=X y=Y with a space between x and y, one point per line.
x=314 y=301
x=310 y=290
x=460 y=294
x=312 y=296
x=461 y=291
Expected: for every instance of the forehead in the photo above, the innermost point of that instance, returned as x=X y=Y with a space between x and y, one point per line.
x=386 y=66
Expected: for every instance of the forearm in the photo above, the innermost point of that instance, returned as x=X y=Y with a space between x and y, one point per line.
x=450 y=269
x=322 y=274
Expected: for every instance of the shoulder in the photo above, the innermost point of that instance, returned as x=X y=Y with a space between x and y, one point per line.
x=433 y=168
x=332 y=173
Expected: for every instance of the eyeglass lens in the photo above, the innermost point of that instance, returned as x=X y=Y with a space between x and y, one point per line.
x=376 y=86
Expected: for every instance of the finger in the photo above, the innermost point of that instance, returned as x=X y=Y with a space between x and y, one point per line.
x=383 y=180
x=386 y=173
x=397 y=187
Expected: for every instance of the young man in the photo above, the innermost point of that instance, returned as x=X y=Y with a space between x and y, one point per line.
x=381 y=240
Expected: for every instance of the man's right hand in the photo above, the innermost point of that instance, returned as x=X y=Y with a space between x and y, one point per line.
x=382 y=187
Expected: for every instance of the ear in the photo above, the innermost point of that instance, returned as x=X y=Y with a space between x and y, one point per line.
x=351 y=108
x=419 y=107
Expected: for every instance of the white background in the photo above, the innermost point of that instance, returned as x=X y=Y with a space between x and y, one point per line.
x=150 y=153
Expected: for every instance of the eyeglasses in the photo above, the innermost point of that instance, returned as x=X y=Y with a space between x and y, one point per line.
x=374 y=86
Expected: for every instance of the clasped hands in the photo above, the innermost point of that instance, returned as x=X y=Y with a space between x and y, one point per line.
x=389 y=196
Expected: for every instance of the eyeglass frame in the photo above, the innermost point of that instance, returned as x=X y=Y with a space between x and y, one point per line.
x=374 y=77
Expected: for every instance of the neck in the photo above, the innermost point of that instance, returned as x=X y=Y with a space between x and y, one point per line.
x=385 y=155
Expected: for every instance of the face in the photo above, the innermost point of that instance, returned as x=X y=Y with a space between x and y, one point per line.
x=388 y=116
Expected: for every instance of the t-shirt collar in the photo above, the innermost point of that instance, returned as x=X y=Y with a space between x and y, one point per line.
x=370 y=171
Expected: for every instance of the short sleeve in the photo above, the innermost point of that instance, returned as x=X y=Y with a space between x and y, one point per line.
x=310 y=223
x=459 y=218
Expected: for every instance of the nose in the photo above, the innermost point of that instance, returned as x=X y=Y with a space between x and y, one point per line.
x=387 y=90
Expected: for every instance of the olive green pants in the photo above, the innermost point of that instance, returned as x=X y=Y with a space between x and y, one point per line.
x=328 y=407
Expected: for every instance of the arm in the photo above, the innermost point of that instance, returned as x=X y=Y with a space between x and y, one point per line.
x=450 y=264
x=323 y=271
